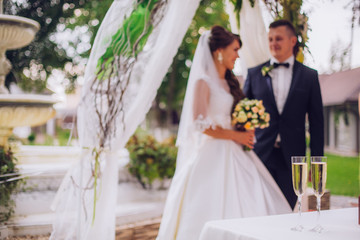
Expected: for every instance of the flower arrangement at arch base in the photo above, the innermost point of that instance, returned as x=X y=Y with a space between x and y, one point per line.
x=250 y=114
x=150 y=159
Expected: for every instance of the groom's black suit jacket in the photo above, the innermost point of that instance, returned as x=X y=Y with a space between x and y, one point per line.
x=304 y=98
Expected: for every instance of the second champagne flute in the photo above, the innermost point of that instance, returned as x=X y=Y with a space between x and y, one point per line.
x=299 y=178
x=318 y=179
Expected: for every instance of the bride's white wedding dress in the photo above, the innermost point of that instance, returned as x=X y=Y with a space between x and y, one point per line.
x=219 y=181
x=215 y=179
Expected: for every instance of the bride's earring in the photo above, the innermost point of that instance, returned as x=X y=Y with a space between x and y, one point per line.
x=220 y=57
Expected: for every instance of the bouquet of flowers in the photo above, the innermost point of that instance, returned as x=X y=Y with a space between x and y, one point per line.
x=250 y=114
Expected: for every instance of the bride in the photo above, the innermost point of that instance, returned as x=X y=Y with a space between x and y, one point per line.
x=215 y=178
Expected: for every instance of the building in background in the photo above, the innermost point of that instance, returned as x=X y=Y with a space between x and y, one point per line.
x=340 y=93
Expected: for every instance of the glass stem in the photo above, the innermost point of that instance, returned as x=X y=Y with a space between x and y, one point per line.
x=299 y=201
x=299 y=208
x=318 y=202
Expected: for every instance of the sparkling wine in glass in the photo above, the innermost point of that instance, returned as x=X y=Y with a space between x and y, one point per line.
x=318 y=179
x=299 y=170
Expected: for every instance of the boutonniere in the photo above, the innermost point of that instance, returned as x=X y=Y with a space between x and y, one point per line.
x=266 y=69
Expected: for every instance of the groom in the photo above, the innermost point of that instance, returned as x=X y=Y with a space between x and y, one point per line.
x=291 y=93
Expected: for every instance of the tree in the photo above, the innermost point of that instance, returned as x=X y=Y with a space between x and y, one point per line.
x=355 y=7
x=355 y=17
x=77 y=22
x=168 y=102
x=32 y=65
x=210 y=12
x=291 y=11
x=340 y=57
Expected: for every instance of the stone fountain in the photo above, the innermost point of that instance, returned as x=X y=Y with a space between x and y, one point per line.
x=19 y=109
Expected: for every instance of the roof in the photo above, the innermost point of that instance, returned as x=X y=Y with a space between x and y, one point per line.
x=338 y=88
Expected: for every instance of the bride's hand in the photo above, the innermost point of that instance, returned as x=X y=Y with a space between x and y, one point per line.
x=245 y=138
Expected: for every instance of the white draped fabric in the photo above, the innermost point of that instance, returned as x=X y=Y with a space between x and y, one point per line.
x=252 y=32
x=74 y=202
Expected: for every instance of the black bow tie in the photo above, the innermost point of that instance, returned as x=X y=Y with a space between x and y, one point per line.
x=287 y=65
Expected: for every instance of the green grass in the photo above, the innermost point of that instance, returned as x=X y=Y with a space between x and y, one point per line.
x=343 y=175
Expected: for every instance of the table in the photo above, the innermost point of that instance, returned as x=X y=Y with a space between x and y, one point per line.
x=340 y=224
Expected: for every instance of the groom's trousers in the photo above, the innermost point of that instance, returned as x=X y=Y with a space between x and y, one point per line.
x=281 y=173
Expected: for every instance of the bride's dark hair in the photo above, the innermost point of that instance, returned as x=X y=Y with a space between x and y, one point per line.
x=221 y=38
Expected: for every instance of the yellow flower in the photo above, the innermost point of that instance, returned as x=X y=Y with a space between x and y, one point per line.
x=249 y=115
x=247 y=126
x=238 y=107
x=149 y=161
x=261 y=112
x=254 y=109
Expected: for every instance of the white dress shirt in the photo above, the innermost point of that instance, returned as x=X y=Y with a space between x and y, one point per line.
x=281 y=81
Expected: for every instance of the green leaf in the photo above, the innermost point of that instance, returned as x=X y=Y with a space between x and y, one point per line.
x=128 y=41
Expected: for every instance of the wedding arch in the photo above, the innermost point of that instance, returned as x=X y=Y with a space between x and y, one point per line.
x=131 y=54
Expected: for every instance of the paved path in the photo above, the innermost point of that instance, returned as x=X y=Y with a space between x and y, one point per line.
x=342 y=202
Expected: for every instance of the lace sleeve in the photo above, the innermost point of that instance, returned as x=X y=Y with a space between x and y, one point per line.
x=200 y=107
x=201 y=123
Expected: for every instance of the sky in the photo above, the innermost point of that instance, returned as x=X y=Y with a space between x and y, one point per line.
x=330 y=23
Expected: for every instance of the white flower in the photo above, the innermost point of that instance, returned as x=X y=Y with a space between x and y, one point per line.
x=242 y=117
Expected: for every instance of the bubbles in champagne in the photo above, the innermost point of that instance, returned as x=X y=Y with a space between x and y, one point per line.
x=318 y=177
x=299 y=177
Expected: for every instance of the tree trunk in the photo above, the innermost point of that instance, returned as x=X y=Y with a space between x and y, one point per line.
x=171 y=94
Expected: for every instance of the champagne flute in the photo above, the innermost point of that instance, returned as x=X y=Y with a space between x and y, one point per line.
x=318 y=179
x=299 y=170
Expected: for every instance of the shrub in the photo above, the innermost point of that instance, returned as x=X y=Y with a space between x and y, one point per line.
x=31 y=138
x=150 y=159
x=8 y=183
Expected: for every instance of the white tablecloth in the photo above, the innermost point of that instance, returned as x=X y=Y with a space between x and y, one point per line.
x=339 y=224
